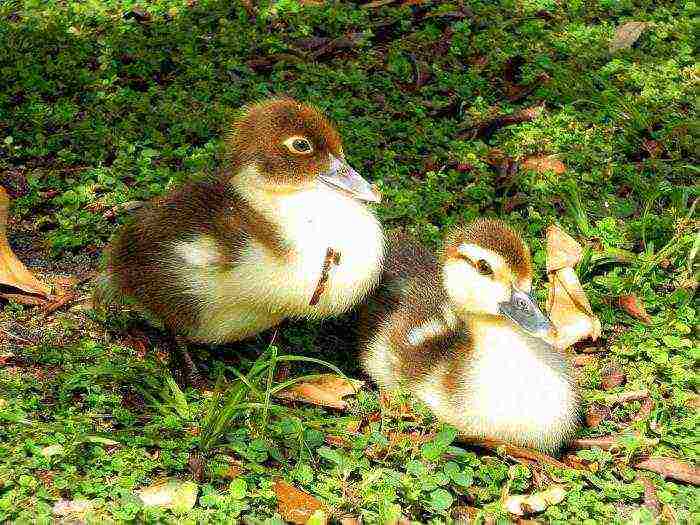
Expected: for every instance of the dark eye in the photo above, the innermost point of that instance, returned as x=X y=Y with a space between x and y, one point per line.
x=299 y=145
x=484 y=267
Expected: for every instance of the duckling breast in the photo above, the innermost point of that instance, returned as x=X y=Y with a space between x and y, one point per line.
x=519 y=389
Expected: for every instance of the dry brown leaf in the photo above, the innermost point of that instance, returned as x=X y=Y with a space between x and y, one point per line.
x=567 y=304
x=626 y=35
x=596 y=414
x=613 y=378
x=562 y=249
x=294 y=505
x=520 y=504
x=543 y=164
x=13 y=273
x=672 y=468
x=644 y=410
x=634 y=306
x=326 y=390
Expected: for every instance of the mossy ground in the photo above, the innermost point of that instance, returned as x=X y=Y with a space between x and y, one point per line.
x=101 y=104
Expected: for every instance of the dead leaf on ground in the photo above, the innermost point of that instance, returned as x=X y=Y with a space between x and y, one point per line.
x=294 y=505
x=613 y=378
x=672 y=468
x=326 y=390
x=634 y=306
x=644 y=410
x=543 y=164
x=567 y=304
x=626 y=35
x=71 y=508
x=596 y=414
x=179 y=496
x=13 y=274
x=521 y=505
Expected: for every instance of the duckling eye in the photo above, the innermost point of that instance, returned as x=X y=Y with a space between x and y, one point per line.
x=483 y=267
x=298 y=145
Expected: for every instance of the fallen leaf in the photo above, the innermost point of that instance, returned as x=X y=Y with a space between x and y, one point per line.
x=486 y=129
x=521 y=505
x=326 y=390
x=52 y=450
x=623 y=397
x=596 y=414
x=562 y=249
x=74 y=508
x=13 y=273
x=567 y=304
x=613 y=378
x=626 y=35
x=294 y=505
x=543 y=164
x=634 y=306
x=179 y=496
x=607 y=442
x=672 y=468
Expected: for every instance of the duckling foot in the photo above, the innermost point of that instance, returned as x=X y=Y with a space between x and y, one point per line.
x=190 y=371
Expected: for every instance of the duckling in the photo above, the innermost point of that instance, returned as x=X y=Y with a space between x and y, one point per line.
x=464 y=335
x=224 y=258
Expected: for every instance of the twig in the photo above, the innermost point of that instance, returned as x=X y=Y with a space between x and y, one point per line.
x=332 y=257
x=16 y=337
x=622 y=397
x=512 y=450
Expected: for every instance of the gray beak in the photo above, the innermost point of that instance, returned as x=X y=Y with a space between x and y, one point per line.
x=522 y=309
x=341 y=176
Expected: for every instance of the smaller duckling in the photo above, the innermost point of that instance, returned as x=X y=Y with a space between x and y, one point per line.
x=464 y=335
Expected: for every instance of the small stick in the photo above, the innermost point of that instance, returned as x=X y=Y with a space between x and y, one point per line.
x=332 y=257
x=512 y=450
x=627 y=396
x=16 y=337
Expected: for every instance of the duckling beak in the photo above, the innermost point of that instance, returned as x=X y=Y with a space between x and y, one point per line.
x=523 y=310
x=341 y=176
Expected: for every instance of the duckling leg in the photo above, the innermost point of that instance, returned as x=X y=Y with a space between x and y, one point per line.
x=192 y=376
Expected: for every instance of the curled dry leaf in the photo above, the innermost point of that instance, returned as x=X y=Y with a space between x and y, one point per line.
x=672 y=468
x=567 y=304
x=626 y=35
x=294 y=505
x=179 y=496
x=543 y=164
x=326 y=390
x=634 y=306
x=13 y=274
x=521 y=505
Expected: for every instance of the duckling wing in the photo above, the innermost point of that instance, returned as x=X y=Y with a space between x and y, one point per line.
x=162 y=249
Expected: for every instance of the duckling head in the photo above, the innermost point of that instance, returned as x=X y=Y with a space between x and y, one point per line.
x=283 y=146
x=487 y=270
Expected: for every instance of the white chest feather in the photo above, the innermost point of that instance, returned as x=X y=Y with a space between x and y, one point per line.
x=517 y=392
x=262 y=289
x=312 y=222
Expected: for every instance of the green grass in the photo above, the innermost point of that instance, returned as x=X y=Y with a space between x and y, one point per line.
x=99 y=109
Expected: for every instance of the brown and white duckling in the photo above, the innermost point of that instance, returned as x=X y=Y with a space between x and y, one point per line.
x=463 y=335
x=223 y=259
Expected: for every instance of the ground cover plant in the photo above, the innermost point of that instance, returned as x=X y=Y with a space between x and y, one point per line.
x=534 y=111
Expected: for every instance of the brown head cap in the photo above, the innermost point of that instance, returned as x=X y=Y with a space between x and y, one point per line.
x=288 y=142
x=496 y=236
